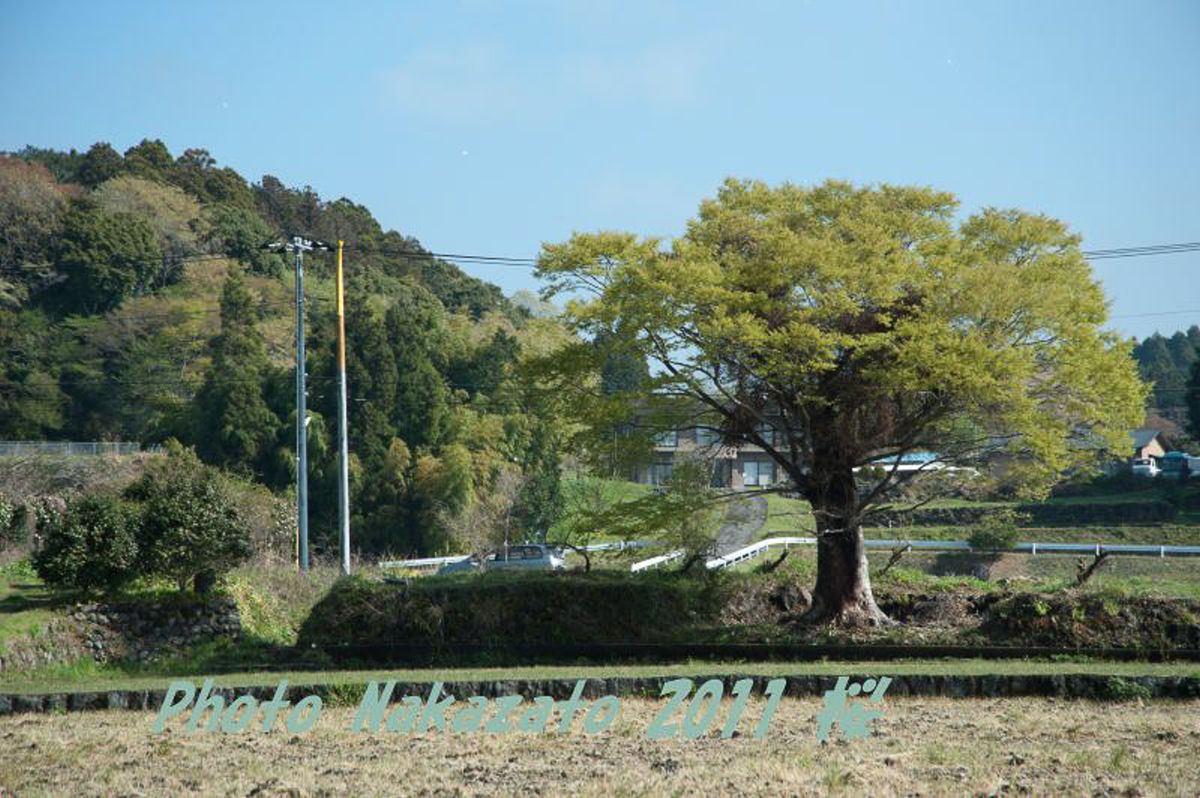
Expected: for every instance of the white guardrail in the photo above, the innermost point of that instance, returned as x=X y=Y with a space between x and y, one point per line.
x=757 y=549
x=438 y=562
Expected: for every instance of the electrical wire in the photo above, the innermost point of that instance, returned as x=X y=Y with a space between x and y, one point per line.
x=1143 y=251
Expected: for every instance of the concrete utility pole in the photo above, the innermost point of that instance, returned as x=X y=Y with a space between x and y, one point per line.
x=299 y=246
x=343 y=444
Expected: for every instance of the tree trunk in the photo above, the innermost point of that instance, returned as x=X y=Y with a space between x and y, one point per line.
x=843 y=591
x=204 y=582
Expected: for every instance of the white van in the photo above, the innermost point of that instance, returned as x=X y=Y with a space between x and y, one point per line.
x=1145 y=467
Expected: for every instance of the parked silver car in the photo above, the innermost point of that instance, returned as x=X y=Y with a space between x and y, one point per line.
x=520 y=557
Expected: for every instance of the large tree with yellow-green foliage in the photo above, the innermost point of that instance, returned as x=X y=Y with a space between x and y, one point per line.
x=836 y=325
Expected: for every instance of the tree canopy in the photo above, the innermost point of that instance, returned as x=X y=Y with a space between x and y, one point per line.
x=836 y=325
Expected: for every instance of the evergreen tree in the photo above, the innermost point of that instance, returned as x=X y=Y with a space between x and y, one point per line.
x=235 y=424
x=100 y=163
x=106 y=257
x=149 y=159
x=1167 y=362
x=540 y=503
x=1192 y=400
x=485 y=369
x=240 y=233
x=623 y=369
x=416 y=333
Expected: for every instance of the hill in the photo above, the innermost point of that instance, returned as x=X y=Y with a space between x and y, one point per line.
x=137 y=303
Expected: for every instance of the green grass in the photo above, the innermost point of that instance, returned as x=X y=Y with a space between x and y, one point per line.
x=26 y=604
x=1127 y=497
x=273 y=602
x=956 y=502
x=1166 y=534
x=619 y=490
x=786 y=516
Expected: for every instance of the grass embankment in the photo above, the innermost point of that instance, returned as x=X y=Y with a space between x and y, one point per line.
x=920 y=746
x=26 y=604
x=512 y=610
x=506 y=611
x=1156 y=535
x=273 y=602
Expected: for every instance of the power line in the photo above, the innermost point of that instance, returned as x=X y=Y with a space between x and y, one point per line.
x=1143 y=251
x=527 y=262
x=1156 y=313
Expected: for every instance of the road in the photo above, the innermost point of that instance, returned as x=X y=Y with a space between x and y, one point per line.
x=745 y=517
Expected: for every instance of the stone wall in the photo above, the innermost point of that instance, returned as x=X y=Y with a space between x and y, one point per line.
x=140 y=631
x=134 y=631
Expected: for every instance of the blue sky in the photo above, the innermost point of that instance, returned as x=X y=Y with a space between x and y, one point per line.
x=489 y=127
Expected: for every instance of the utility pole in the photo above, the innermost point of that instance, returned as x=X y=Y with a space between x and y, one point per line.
x=343 y=444
x=299 y=245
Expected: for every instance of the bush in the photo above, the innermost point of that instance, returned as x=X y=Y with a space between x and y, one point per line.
x=191 y=529
x=996 y=530
x=506 y=611
x=1118 y=689
x=12 y=522
x=91 y=546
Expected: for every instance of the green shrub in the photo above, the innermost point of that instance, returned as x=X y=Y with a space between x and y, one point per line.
x=92 y=546
x=506 y=611
x=996 y=530
x=1119 y=689
x=12 y=521
x=8 y=511
x=191 y=529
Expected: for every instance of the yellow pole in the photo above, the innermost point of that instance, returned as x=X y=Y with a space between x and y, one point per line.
x=343 y=445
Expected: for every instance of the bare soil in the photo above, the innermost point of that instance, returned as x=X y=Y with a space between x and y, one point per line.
x=929 y=747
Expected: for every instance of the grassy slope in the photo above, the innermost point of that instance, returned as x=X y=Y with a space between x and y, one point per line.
x=26 y=605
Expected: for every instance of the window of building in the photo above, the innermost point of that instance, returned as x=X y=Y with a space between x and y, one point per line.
x=659 y=473
x=670 y=438
x=769 y=434
x=758 y=472
x=707 y=437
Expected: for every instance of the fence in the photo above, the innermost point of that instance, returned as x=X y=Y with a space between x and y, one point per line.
x=437 y=562
x=757 y=549
x=72 y=448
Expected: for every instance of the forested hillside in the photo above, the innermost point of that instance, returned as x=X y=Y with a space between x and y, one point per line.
x=136 y=303
x=1167 y=362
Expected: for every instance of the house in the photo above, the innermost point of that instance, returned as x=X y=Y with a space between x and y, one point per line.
x=741 y=466
x=1149 y=443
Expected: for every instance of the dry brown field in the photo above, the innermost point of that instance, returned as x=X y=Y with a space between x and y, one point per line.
x=921 y=746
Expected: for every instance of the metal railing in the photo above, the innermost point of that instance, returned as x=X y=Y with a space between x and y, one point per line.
x=757 y=549
x=72 y=448
x=437 y=562
x=655 y=562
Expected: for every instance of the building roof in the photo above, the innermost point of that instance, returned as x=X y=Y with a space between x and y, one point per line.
x=1143 y=437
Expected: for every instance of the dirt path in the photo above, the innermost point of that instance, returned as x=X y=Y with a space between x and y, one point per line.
x=745 y=517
